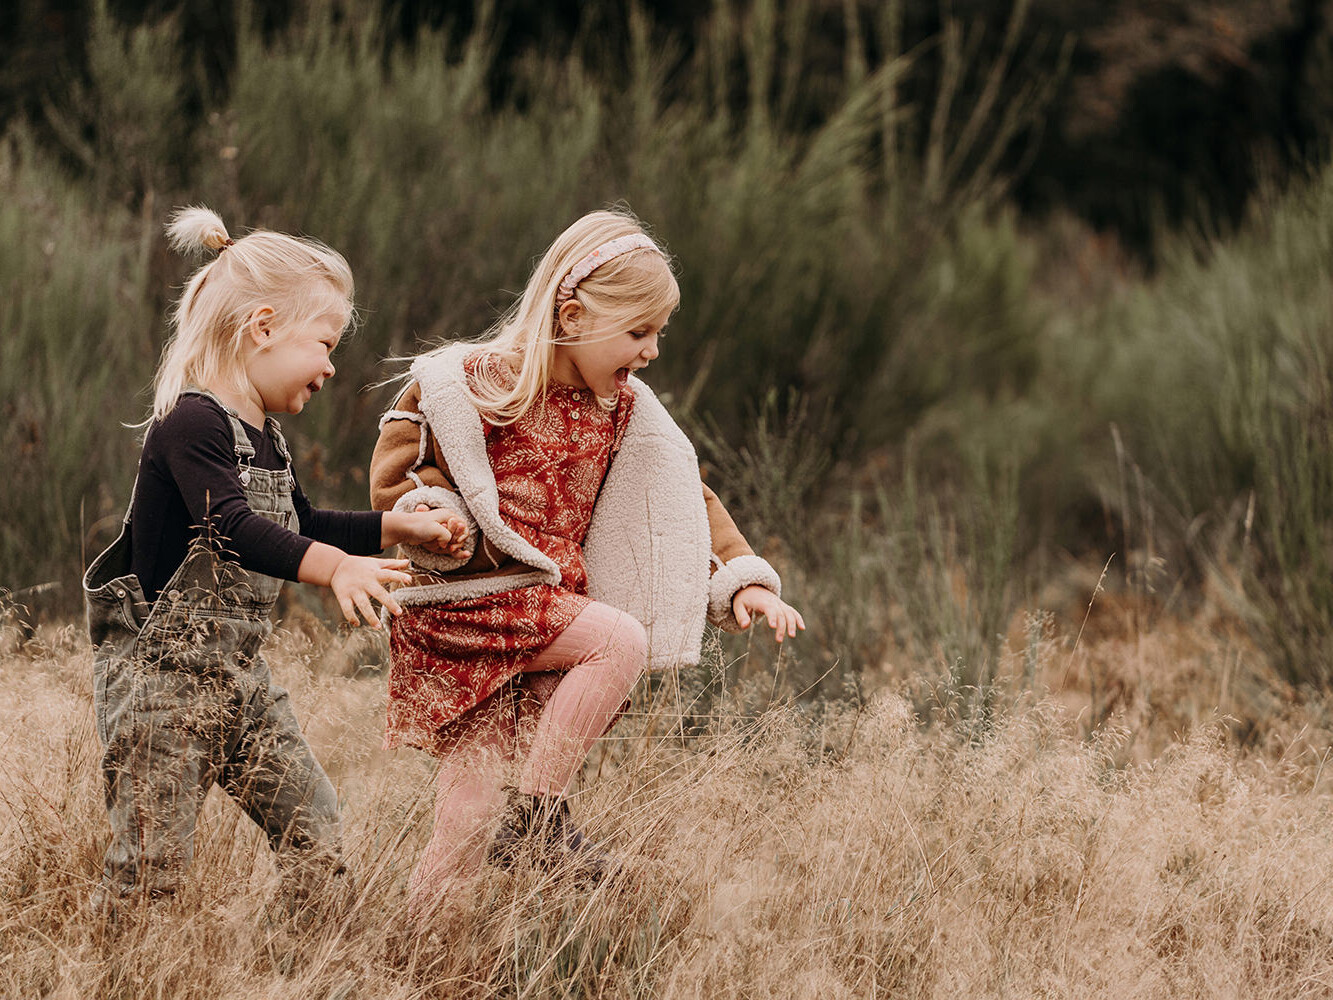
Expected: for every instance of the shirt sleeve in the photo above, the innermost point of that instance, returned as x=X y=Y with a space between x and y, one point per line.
x=355 y=531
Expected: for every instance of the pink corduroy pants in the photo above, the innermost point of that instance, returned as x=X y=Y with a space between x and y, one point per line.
x=538 y=742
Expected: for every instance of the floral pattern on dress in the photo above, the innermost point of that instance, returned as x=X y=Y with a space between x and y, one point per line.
x=454 y=663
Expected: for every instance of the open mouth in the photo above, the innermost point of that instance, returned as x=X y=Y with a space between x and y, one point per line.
x=622 y=377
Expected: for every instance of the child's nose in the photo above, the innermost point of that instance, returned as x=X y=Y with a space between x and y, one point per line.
x=329 y=369
x=650 y=347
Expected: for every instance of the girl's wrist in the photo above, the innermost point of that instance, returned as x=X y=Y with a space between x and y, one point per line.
x=319 y=564
x=391 y=529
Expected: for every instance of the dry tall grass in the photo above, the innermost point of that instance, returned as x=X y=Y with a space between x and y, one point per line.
x=791 y=853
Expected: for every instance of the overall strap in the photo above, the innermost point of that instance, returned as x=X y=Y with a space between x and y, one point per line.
x=275 y=432
x=240 y=440
x=129 y=508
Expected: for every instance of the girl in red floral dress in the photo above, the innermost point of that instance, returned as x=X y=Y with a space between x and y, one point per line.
x=584 y=548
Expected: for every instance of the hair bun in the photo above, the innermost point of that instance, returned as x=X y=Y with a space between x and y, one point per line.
x=196 y=229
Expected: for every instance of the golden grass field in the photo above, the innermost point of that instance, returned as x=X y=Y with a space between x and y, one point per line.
x=1136 y=822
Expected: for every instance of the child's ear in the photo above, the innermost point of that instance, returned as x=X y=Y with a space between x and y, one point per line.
x=570 y=315
x=259 y=325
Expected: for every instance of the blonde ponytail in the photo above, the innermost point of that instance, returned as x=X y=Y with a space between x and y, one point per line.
x=195 y=229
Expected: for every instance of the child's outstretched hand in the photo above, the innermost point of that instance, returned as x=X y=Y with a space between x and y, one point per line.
x=754 y=600
x=452 y=542
x=357 y=580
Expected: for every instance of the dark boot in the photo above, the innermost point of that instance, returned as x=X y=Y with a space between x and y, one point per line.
x=515 y=829
x=544 y=823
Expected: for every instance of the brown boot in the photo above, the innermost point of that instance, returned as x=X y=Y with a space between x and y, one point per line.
x=544 y=822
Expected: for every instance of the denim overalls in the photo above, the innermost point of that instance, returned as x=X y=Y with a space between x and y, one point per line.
x=183 y=699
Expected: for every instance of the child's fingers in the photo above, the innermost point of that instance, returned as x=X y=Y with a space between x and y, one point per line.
x=367 y=610
x=390 y=605
x=742 y=615
x=348 y=610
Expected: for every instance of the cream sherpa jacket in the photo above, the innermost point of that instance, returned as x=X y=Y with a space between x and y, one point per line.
x=660 y=545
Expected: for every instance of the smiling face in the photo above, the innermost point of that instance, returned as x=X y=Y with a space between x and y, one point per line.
x=288 y=366
x=602 y=360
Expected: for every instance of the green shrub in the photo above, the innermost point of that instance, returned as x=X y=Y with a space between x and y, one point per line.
x=78 y=342
x=1217 y=373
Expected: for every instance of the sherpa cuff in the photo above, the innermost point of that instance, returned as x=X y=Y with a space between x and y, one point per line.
x=729 y=579
x=437 y=498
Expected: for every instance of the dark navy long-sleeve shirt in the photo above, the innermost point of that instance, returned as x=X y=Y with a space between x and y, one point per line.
x=188 y=473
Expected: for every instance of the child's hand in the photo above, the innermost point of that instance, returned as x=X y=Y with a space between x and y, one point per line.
x=359 y=579
x=754 y=600
x=434 y=528
x=452 y=541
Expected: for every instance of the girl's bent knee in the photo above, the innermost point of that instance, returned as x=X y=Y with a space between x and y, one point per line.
x=629 y=642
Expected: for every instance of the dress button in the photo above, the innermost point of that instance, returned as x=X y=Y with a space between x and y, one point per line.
x=577 y=396
x=574 y=436
x=576 y=414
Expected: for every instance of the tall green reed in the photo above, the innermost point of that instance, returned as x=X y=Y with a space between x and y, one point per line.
x=1217 y=373
x=79 y=339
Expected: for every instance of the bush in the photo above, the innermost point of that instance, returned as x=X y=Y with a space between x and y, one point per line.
x=1217 y=372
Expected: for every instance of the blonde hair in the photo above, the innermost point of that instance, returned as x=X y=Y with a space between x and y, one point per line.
x=619 y=295
x=300 y=279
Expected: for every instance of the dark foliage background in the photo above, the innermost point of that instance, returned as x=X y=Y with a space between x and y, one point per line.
x=972 y=292
x=1170 y=113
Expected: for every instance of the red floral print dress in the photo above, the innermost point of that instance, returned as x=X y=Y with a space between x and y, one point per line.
x=459 y=663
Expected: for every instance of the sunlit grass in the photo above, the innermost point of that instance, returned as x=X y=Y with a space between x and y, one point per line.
x=838 y=850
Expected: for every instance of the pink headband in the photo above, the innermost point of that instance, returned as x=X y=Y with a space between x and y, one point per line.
x=607 y=251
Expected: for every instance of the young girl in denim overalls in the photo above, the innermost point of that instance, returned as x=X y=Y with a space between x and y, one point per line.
x=593 y=551
x=179 y=605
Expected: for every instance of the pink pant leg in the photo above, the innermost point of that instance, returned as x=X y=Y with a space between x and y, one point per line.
x=583 y=678
x=600 y=656
x=468 y=796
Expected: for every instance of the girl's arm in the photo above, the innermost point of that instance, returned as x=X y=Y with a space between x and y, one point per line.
x=193 y=447
x=356 y=531
x=743 y=586
x=365 y=532
x=354 y=580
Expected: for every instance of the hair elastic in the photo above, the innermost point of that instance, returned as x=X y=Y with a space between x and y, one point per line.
x=607 y=251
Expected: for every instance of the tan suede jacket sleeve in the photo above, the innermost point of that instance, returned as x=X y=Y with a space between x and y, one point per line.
x=401 y=449
x=406 y=457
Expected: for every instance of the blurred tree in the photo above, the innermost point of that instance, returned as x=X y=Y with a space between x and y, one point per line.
x=1172 y=110
x=1175 y=108
x=37 y=37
